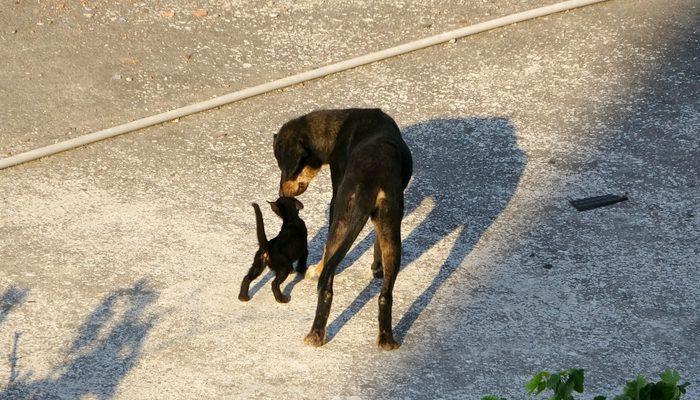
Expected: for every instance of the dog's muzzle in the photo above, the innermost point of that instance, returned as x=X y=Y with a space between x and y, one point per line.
x=292 y=188
x=295 y=187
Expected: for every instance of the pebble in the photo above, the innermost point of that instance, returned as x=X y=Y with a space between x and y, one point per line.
x=275 y=14
x=200 y=12
x=246 y=65
x=87 y=15
x=116 y=77
x=128 y=79
x=453 y=40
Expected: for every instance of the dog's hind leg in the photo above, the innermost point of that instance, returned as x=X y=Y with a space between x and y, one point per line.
x=387 y=225
x=255 y=270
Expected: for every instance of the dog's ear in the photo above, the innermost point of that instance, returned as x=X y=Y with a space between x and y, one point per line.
x=275 y=208
x=298 y=204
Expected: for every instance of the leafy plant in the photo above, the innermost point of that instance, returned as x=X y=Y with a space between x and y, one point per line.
x=562 y=385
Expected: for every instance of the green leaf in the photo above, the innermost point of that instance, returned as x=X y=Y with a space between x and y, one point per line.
x=664 y=391
x=633 y=388
x=622 y=397
x=490 y=397
x=564 y=390
x=535 y=385
x=683 y=386
x=553 y=381
x=670 y=376
x=576 y=377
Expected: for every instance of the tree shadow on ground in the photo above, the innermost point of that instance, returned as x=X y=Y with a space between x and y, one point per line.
x=106 y=348
x=469 y=169
x=11 y=298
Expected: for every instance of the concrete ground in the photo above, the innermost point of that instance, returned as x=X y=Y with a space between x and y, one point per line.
x=120 y=261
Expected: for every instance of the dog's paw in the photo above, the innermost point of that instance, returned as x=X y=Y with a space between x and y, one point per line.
x=315 y=338
x=388 y=343
x=243 y=297
x=282 y=299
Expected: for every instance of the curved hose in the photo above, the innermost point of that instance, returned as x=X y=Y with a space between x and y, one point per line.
x=291 y=80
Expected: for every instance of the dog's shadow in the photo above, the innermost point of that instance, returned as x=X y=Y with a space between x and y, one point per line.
x=469 y=168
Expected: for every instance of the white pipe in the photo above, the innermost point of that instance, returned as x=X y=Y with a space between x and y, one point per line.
x=289 y=81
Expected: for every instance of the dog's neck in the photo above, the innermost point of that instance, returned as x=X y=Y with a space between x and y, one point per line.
x=324 y=126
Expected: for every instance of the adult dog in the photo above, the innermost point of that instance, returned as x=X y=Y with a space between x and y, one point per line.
x=370 y=167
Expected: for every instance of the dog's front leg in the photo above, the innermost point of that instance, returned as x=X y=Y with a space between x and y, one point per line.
x=377 y=271
x=317 y=336
x=343 y=232
x=315 y=270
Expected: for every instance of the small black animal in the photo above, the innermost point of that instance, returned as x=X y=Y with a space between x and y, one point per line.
x=279 y=253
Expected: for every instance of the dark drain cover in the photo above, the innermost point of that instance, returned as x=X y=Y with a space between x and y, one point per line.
x=590 y=203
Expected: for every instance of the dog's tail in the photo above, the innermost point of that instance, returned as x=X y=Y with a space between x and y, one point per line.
x=260 y=228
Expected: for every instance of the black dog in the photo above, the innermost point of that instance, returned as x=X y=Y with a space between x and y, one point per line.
x=370 y=168
x=279 y=253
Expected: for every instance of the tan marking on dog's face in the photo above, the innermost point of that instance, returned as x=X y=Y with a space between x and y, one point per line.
x=299 y=184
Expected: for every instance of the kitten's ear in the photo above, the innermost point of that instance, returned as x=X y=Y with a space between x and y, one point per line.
x=298 y=204
x=274 y=207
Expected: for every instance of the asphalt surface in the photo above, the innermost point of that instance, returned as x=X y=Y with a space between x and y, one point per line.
x=121 y=261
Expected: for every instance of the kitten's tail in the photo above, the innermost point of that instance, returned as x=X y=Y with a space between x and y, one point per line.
x=260 y=228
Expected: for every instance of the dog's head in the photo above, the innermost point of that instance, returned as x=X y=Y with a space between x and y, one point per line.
x=286 y=207
x=297 y=164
